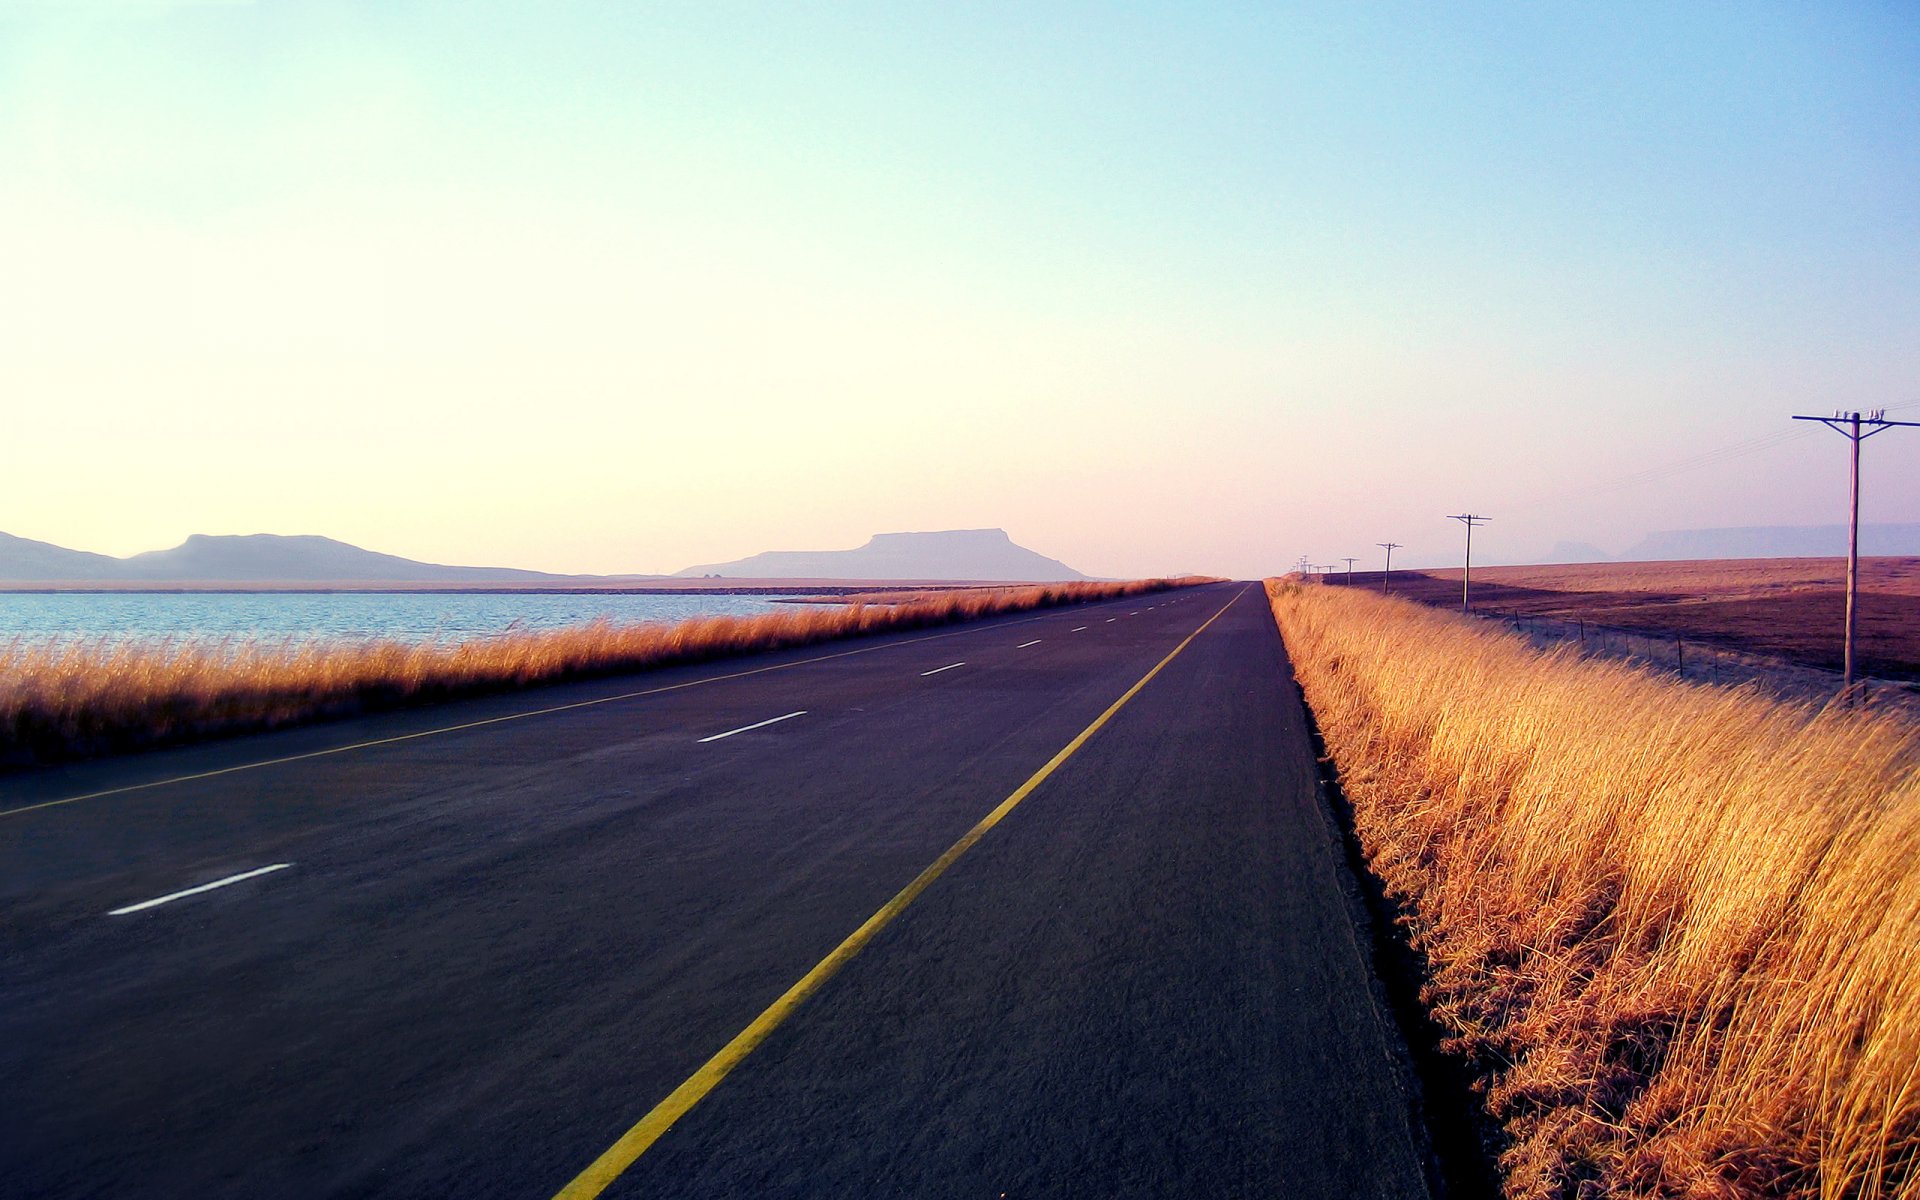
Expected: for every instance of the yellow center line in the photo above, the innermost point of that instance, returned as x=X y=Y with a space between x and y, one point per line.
x=519 y=716
x=608 y=1167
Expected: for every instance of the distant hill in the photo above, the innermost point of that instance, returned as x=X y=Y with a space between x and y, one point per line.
x=1772 y=541
x=260 y=557
x=953 y=554
x=23 y=559
x=253 y=560
x=248 y=559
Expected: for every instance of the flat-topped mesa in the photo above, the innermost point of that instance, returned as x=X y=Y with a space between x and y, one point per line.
x=982 y=538
x=942 y=555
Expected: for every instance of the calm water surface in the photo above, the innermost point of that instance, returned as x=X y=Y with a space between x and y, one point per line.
x=403 y=616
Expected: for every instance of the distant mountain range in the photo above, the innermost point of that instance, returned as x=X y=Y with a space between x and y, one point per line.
x=953 y=554
x=255 y=559
x=268 y=559
x=1752 y=541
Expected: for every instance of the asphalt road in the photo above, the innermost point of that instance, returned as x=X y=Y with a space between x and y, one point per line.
x=487 y=952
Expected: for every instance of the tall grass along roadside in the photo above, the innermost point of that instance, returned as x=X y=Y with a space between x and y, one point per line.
x=1673 y=929
x=62 y=701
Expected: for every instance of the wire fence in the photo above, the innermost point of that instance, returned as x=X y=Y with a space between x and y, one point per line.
x=1697 y=661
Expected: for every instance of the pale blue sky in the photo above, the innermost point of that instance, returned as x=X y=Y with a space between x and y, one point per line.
x=612 y=287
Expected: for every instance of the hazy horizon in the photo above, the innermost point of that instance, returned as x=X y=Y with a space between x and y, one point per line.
x=1875 y=541
x=584 y=288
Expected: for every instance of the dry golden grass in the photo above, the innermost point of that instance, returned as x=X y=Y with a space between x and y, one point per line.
x=1674 y=929
x=72 y=701
x=895 y=596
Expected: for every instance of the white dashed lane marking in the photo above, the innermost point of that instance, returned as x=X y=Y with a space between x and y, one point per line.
x=756 y=725
x=195 y=891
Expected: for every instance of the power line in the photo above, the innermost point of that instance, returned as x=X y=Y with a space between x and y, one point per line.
x=1705 y=458
x=1711 y=457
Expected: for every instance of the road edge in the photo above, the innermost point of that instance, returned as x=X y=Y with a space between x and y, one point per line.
x=1456 y=1140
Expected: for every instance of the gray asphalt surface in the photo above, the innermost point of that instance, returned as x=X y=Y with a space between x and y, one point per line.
x=497 y=947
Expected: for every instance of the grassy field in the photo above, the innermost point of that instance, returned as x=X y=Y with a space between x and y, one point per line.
x=1673 y=930
x=78 y=700
x=1790 y=608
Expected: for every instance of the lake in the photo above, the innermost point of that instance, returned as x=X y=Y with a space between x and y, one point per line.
x=401 y=616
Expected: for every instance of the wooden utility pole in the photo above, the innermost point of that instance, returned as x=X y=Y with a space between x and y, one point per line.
x=1350 y=562
x=1466 y=577
x=1857 y=428
x=1389 y=547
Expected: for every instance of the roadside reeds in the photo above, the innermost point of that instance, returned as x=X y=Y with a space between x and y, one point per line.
x=1673 y=929
x=74 y=700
